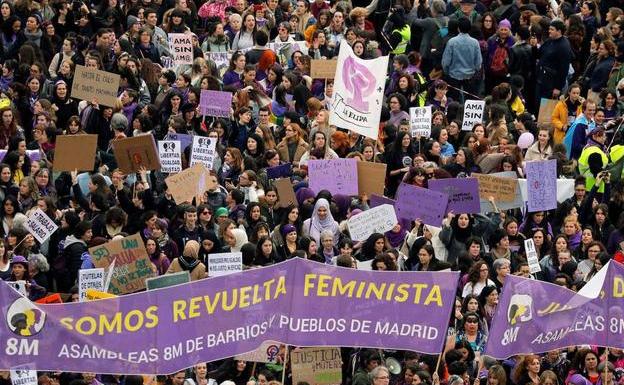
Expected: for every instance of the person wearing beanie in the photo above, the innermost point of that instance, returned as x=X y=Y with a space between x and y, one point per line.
x=20 y=272
x=74 y=250
x=498 y=53
x=189 y=262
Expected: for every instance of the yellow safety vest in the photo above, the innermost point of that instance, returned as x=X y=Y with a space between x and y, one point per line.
x=406 y=35
x=583 y=166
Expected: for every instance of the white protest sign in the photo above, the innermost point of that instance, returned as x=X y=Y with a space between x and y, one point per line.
x=224 y=264
x=532 y=259
x=23 y=376
x=420 y=121
x=40 y=225
x=170 y=153
x=181 y=47
x=376 y=220
x=20 y=286
x=90 y=279
x=473 y=113
x=204 y=151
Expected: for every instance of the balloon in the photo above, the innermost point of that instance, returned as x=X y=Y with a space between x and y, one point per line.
x=525 y=140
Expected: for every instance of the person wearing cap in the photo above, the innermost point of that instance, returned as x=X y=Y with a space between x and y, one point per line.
x=462 y=60
x=555 y=56
x=189 y=262
x=467 y=10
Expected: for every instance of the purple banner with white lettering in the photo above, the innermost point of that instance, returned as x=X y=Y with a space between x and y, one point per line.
x=535 y=317
x=297 y=302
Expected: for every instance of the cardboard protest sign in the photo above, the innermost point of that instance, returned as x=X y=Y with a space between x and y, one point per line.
x=541 y=185
x=463 y=194
x=323 y=69
x=132 y=264
x=183 y=186
x=170 y=154
x=376 y=220
x=181 y=48
x=546 y=109
x=358 y=92
x=90 y=279
x=420 y=121
x=371 y=177
x=517 y=202
x=23 y=375
x=502 y=189
x=224 y=263
x=285 y=193
x=136 y=152
x=414 y=202
x=89 y=84
x=473 y=113
x=316 y=366
x=204 y=151
x=338 y=176
x=281 y=171
x=40 y=225
x=75 y=152
x=267 y=352
x=168 y=280
x=215 y=103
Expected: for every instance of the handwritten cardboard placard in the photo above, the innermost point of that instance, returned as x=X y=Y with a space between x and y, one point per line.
x=40 y=225
x=376 y=220
x=285 y=193
x=502 y=189
x=136 y=152
x=463 y=194
x=414 y=202
x=170 y=154
x=89 y=279
x=90 y=84
x=338 y=176
x=517 y=202
x=204 y=151
x=75 y=152
x=215 y=103
x=420 y=121
x=132 y=264
x=181 y=47
x=541 y=185
x=371 y=177
x=224 y=264
x=473 y=113
x=267 y=352
x=183 y=186
x=323 y=69
x=546 y=109
x=316 y=366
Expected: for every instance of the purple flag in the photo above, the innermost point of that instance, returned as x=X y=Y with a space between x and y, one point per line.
x=298 y=302
x=414 y=202
x=338 y=176
x=535 y=317
x=463 y=194
x=215 y=103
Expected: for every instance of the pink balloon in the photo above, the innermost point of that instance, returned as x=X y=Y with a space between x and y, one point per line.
x=525 y=140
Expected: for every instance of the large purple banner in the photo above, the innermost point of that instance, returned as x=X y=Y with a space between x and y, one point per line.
x=297 y=302
x=536 y=317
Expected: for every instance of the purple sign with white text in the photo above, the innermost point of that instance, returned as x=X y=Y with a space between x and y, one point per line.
x=297 y=302
x=215 y=103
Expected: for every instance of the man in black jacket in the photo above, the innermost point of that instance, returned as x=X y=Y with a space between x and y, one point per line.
x=555 y=56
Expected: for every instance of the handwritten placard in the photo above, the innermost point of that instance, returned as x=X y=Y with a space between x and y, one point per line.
x=40 y=225
x=473 y=113
x=89 y=84
x=170 y=153
x=132 y=264
x=338 y=176
x=215 y=103
x=414 y=202
x=420 y=121
x=204 y=151
x=541 y=185
x=376 y=220
x=502 y=189
x=185 y=185
x=323 y=69
x=89 y=279
x=463 y=194
x=181 y=47
x=224 y=264
x=316 y=366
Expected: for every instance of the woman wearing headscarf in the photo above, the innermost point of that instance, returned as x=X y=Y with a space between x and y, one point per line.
x=210 y=243
x=321 y=219
x=189 y=262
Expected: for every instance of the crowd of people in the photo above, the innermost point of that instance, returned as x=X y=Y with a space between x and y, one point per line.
x=511 y=53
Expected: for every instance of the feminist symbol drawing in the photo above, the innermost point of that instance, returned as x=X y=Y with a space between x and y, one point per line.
x=359 y=81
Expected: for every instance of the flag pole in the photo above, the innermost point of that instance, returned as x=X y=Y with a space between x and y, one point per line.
x=285 y=363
